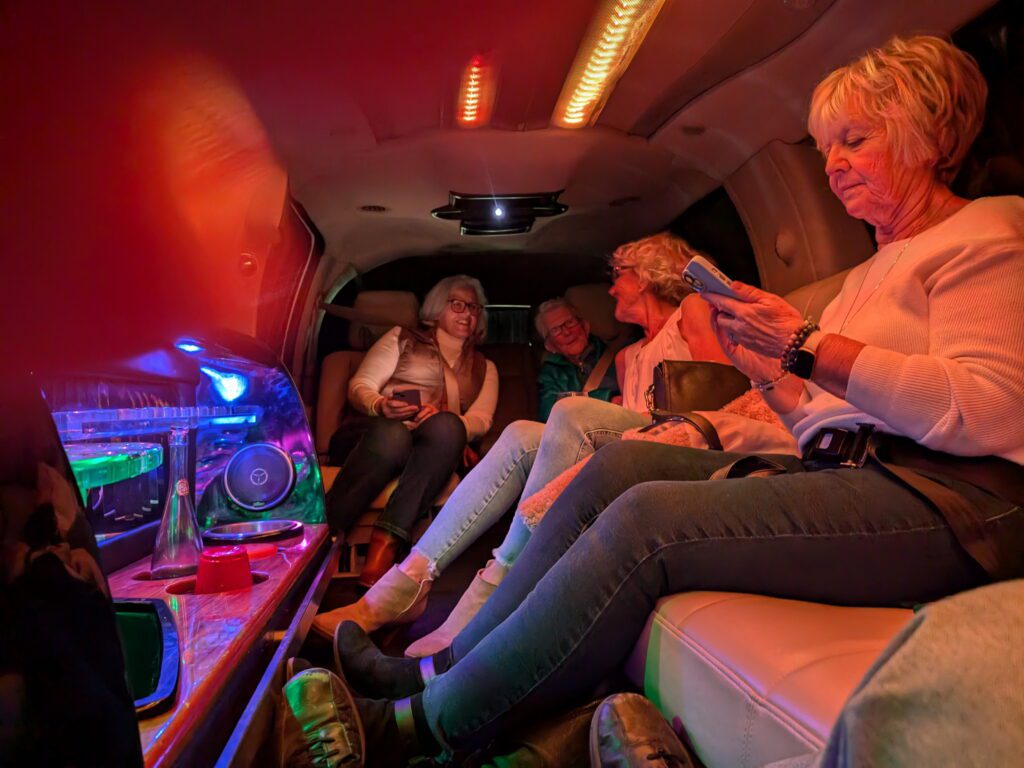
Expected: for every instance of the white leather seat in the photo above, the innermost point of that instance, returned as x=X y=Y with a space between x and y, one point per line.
x=754 y=679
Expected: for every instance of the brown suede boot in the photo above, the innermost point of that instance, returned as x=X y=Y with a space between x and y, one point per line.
x=395 y=599
x=484 y=583
x=380 y=557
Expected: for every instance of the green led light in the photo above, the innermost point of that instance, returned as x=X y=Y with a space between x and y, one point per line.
x=98 y=464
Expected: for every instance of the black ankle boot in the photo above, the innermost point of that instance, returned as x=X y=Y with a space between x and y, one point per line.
x=372 y=673
x=396 y=732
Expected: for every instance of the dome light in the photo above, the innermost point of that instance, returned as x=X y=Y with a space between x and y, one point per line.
x=611 y=42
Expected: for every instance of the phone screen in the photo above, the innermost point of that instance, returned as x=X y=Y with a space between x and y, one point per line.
x=408 y=396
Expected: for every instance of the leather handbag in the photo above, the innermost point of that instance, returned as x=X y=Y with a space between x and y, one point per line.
x=681 y=386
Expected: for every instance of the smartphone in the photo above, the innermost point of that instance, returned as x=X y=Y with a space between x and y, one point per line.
x=704 y=277
x=407 y=396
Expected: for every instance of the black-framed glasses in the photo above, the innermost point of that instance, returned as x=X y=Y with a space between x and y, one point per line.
x=616 y=270
x=567 y=327
x=459 y=306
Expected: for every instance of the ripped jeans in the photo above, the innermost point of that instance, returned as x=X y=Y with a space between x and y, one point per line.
x=526 y=457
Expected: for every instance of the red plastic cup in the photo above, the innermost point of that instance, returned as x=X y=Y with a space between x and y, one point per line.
x=223 y=569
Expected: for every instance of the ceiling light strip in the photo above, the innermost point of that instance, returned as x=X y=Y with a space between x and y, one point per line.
x=476 y=94
x=613 y=38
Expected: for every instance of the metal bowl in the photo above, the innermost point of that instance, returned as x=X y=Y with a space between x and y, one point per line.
x=257 y=530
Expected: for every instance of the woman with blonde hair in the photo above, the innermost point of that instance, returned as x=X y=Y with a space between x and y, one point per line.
x=649 y=291
x=918 y=365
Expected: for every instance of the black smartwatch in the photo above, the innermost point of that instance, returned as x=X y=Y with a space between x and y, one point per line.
x=798 y=356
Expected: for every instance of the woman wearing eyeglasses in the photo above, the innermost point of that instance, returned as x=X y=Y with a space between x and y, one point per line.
x=649 y=291
x=420 y=396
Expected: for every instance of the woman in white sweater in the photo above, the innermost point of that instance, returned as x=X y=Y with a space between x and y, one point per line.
x=420 y=395
x=907 y=403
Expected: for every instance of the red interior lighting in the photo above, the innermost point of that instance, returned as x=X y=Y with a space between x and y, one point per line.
x=476 y=94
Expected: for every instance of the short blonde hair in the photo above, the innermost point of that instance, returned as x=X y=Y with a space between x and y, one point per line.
x=658 y=261
x=437 y=297
x=924 y=92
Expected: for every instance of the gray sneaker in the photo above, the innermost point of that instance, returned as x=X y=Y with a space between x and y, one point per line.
x=627 y=731
x=318 y=723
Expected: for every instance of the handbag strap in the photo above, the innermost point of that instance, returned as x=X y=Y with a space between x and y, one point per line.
x=700 y=423
x=964 y=518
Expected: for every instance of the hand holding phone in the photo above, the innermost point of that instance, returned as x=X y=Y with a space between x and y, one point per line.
x=407 y=396
x=704 y=277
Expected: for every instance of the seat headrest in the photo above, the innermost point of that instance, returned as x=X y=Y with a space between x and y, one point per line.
x=394 y=307
x=811 y=299
x=597 y=307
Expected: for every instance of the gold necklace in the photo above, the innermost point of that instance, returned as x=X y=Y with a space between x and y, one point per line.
x=850 y=312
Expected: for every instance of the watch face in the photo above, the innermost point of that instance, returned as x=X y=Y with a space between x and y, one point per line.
x=803 y=365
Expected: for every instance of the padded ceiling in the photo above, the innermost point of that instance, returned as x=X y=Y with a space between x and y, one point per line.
x=356 y=99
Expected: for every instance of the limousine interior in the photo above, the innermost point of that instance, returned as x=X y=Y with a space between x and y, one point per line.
x=210 y=211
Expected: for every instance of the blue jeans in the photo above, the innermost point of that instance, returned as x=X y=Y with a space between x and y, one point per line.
x=526 y=457
x=592 y=575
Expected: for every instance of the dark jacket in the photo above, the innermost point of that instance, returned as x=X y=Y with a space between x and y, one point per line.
x=558 y=374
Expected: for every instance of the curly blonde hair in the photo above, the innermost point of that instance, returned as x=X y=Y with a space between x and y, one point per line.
x=926 y=94
x=658 y=261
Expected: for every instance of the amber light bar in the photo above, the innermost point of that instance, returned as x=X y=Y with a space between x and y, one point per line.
x=476 y=94
x=614 y=36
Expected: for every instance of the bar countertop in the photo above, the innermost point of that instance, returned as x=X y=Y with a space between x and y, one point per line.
x=215 y=633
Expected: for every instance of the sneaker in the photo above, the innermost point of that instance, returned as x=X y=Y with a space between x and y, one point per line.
x=629 y=732
x=319 y=725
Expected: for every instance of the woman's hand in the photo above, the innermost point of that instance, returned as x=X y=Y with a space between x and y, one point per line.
x=755 y=366
x=425 y=413
x=397 y=409
x=759 y=321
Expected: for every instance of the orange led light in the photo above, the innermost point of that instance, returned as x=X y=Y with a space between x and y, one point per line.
x=476 y=94
x=614 y=36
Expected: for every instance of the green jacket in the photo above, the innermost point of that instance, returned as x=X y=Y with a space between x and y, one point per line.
x=557 y=375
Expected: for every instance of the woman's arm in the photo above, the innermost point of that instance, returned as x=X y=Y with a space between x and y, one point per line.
x=374 y=372
x=480 y=415
x=695 y=328
x=620 y=369
x=965 y=396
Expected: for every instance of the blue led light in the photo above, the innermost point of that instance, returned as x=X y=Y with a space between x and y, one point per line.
x=230 y=386
x=188 y=345
x=499 y=211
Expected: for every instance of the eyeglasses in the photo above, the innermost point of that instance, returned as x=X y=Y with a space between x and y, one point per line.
x=459 y=306
x=561 y=329
x=616 y=270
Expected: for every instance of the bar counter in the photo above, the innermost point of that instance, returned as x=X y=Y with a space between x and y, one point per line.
x=218 y=635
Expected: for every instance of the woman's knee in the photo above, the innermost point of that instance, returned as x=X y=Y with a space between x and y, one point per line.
x=521 y=436
x=389 y=440
x=573 y=410
x=444 y=427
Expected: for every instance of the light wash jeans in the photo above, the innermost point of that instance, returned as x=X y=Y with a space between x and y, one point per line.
x=526 y=457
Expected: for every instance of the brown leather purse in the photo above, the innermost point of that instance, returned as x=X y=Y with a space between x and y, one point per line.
x=680 y=387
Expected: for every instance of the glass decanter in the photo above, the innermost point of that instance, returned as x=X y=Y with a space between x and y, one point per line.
x=178 y=542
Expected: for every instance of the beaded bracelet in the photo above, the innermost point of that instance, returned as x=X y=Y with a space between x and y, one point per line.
x=796 y=341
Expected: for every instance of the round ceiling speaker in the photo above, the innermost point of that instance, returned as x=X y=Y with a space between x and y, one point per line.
x=259 y=476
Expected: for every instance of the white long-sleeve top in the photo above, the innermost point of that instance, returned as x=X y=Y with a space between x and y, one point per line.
x=369 y=386
x=944 y=361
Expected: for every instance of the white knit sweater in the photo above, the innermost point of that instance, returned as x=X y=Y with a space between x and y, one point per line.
x=944 y=361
